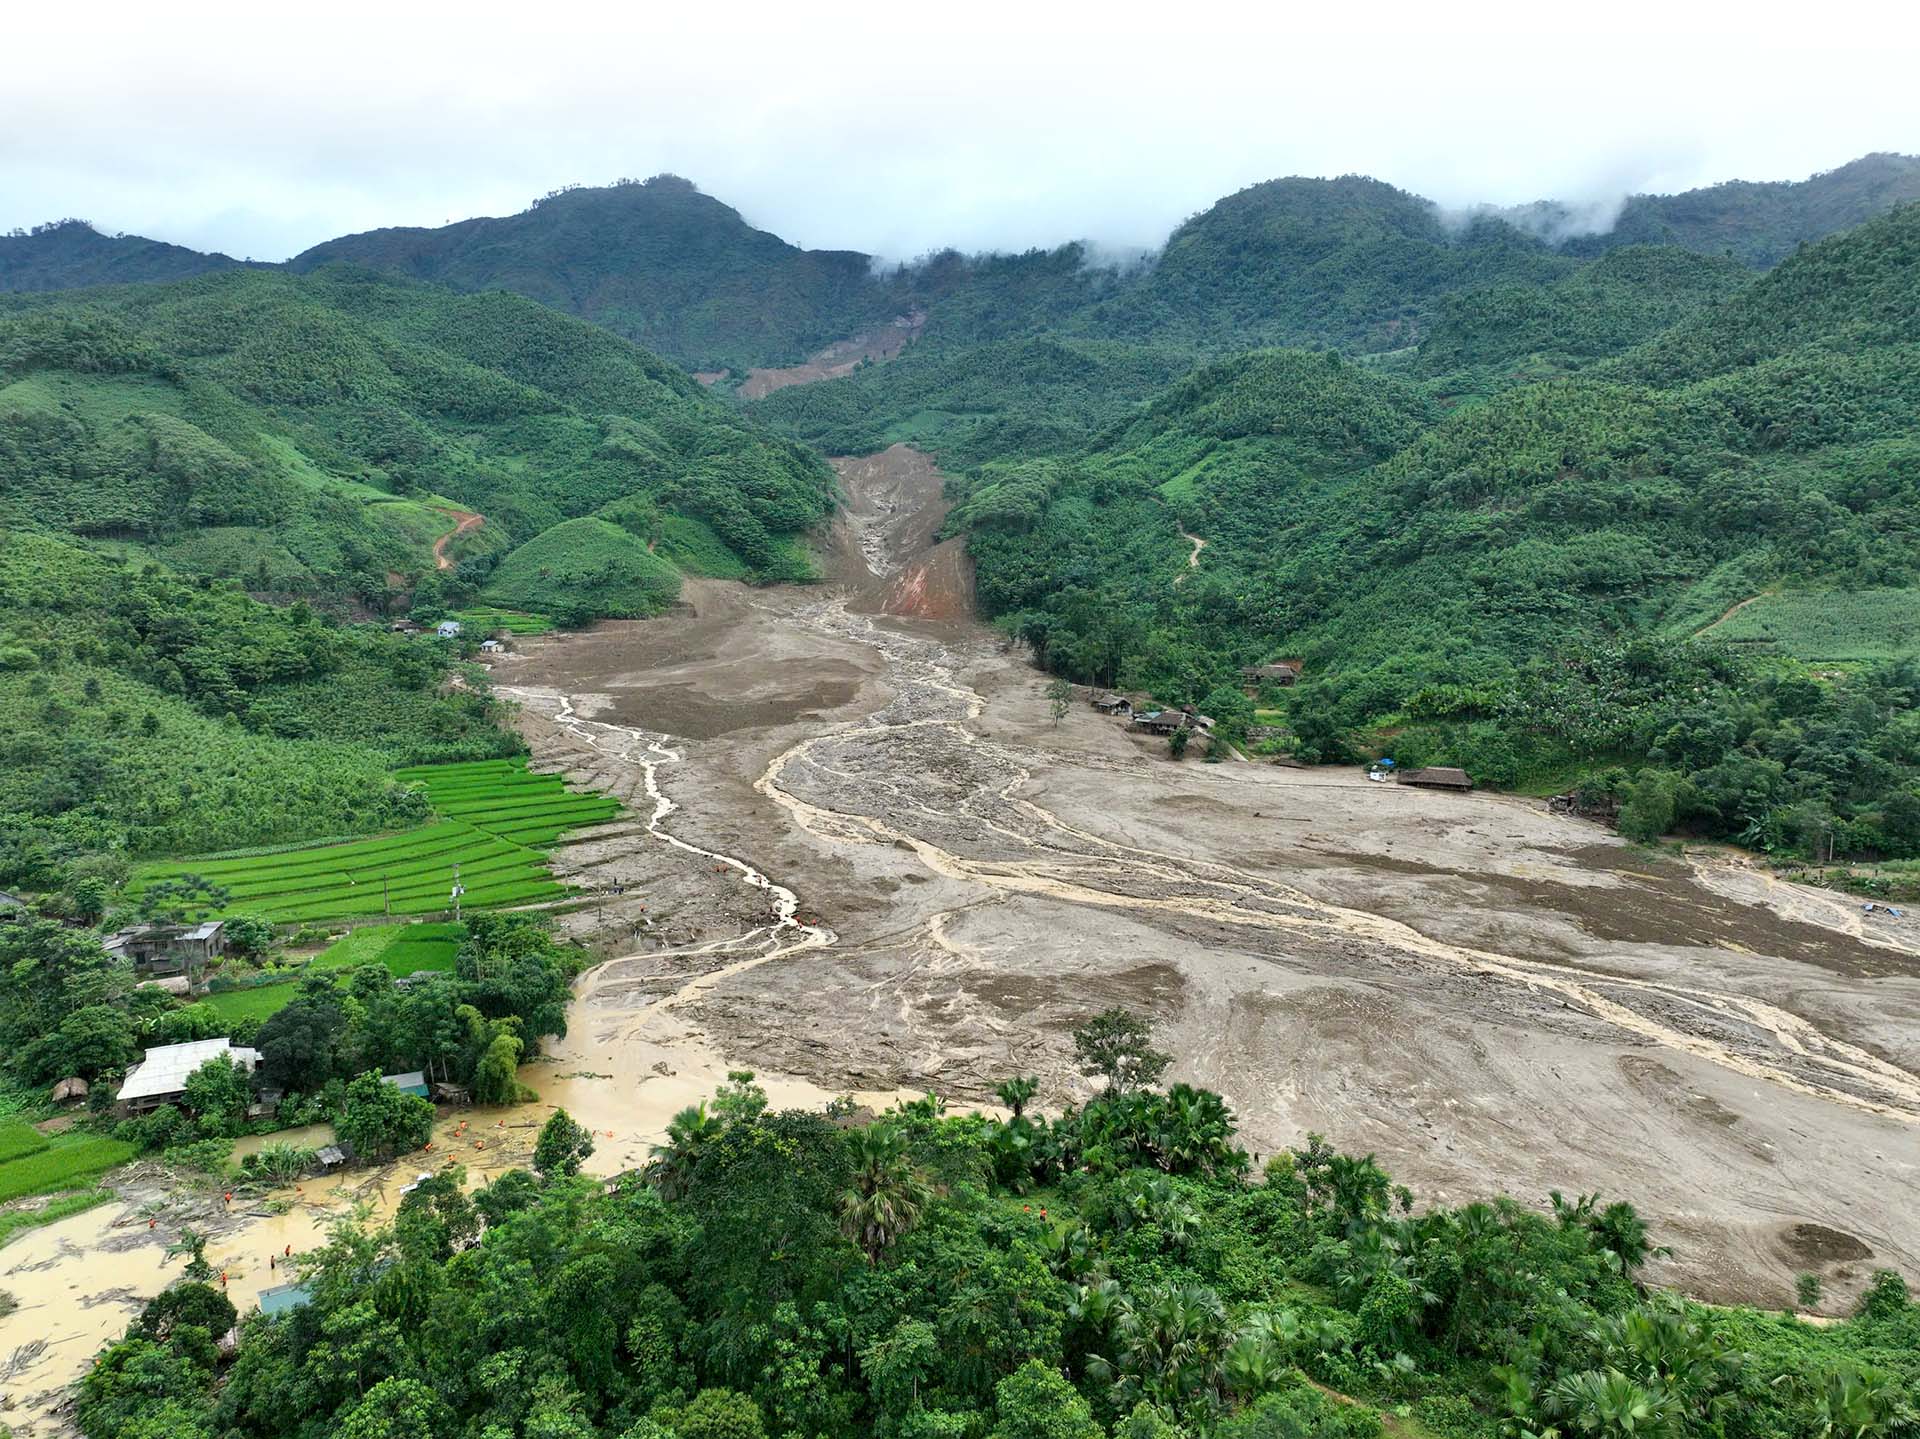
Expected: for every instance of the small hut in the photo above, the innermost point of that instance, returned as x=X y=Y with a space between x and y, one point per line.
x=1437 y=777
x=70 y=1091
x=1280 y=674
x=1161 y=721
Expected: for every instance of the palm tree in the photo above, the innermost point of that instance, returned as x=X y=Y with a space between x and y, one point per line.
x=692 y=1132
x=1609 y=1405
x=1170 y=1341
x=888 y=1193
x=1015 y=1093
x=1860 y=1403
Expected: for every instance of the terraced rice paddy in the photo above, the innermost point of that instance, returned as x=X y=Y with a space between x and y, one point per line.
x=496 y=823
x=514 y=622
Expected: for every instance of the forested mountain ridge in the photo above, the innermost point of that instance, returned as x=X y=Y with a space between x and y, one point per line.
x=1759 y=223
x=1510 y=586
x=657 y=262
x=69 y=254
x=314 y=434
x=1348 y=261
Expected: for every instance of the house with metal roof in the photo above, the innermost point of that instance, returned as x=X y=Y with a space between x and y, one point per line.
x=283 y=1298
x=161 y=1077
x=162 y=949
x=414 y=1083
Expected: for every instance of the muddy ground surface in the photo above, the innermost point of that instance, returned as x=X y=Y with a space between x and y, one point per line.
x=1489 y=996
x=862 y=857
x=842 y=357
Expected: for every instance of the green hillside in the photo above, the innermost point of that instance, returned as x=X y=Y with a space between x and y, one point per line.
x=588 y=567
x=1488 y=584
x=143 y=714
x=1349 y=262
x=972 y=403
x=1761 y=223
x=656 y=262
x=314 y=433
x=68 y=254
x=1505 y=334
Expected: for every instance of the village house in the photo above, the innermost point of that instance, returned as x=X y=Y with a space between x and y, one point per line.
x=156 y=950
x=70 y=1091
x=1111 y=704
x=414 y=1083
x=1281 y=674
x=12 y=907
x=448 y=629
x=491 y=647
x=1437 y=777
x=1166 y=721
x=404 y=627
x=161 y=1078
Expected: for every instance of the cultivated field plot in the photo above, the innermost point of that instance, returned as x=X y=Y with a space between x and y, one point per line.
x=497 y=821
x=31 y=1163
x=514 y=622
x=1838 y=625
x=404 y=949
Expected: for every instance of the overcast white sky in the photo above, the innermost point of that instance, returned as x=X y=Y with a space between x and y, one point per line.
x=260 y=130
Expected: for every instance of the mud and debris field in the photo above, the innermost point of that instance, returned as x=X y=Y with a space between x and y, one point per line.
x=1489 y=996
x=860 y=856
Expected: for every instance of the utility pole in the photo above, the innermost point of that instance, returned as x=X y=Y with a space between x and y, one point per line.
x=386 y=896
x=458 y=890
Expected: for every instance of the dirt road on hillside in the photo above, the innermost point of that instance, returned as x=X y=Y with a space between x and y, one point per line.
x=465 y=522
x=1489 y=996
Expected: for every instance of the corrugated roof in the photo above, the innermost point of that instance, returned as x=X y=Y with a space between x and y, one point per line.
x=165 y=1069
x=283 y=1297
x=203 y=931
x=412 y=1083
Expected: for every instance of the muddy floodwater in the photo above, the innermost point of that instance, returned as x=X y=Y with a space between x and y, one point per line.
x=862 y=857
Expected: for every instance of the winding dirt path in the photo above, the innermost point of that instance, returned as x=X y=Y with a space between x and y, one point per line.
x=1730 y=612
x=1193 y=559
x=465 y=522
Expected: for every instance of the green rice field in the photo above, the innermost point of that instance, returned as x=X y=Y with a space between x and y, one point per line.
x=514 y=622
x=496 y=822
x=62 y=1162
x=404 y=948
x=1857 y=625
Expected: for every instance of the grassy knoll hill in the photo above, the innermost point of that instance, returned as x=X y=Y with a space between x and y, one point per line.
x=313 y=433
x=1488 y=584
